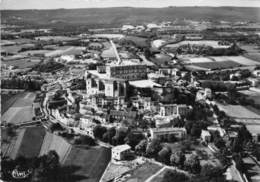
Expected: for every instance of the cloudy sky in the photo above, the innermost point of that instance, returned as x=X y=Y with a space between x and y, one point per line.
x=54 y=4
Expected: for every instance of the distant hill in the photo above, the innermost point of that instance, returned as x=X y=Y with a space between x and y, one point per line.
x=96 y=17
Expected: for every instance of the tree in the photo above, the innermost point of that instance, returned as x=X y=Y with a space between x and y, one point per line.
x=171 y=176
x=133 y=139
x=195 y=131
x=164 y=155
x=140 y=148
x=153 y=147
x=108 y=136
x=99 y=131
x=177 y=159
x=211 y=171
x=56 y=127
x=192 y=164
x=171 y=138
x=236 y=145
x=85 y=140
x=178 y=122
x=119 y=137
x=10 y=130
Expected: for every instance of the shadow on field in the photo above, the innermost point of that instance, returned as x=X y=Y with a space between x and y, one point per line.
x=68 y=174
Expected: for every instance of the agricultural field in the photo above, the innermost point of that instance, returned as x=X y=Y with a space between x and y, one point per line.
x=217 y=65
x=159 y=177
x=10 y=145
x=238 y=111
x=109 y=53
x=22 y=63
x=53 y=142
x=92 y=162
x=253 y=56
x=139 y=41
x=252 y=95
x=34 y=52
x=238 y=59
x=20 y=109
x=143 y=172
x=109 y=36
x=55 y=38
x=31 y=142
x=114 y=170
x=252 y=52
x=211 y=43
x=199 y=60
x=7 y=100
x=65 y=50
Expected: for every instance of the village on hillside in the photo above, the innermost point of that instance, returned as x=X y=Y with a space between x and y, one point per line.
x=148 y=102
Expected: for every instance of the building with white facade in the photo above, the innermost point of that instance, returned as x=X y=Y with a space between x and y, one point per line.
x=119 y=152
x=205 y=135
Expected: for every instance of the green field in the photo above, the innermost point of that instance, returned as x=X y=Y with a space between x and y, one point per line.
x=22 y=63
x=144 y=171
x=217 y=65
x=7 y=100
x=31 y=143
x=86 y=165
x=139 y=41
x=91 y=162
x=19 y=109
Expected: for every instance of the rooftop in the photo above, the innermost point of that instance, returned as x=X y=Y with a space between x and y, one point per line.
x=167 y=129
x=144 y=83
x=121 y=148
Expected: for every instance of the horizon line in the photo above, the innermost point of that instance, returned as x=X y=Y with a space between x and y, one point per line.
x=130 y=7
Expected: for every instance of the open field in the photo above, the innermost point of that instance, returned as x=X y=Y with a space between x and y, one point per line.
x=251 y=95
x=109 y=36
x=217 y=65
x=7 y=100
x=92 y=162
x=65 y=51
x=20 y=109
x=199 y=60
x=159 y=177
x=144 y=171
x=53 y=142
x=109 y=52
x=114 y=170
x=88 y=164
x=10 y=145
x=139 y=41
x=16 y=115
x=30 y=145
x=253 y=56
x=238 y=111
x=22 y=63
x=238 y=59
x=211 y=43
x=55 y=38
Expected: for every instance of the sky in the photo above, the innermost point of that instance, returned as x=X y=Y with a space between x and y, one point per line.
x=56 y=4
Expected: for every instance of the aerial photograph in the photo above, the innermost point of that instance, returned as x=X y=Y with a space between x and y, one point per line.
x=130 y=90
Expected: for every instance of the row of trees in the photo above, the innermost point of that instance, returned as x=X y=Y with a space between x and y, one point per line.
x=117 y=136
x=18 y=83
x=209 y=51
x=50 y=66
x=222 y=75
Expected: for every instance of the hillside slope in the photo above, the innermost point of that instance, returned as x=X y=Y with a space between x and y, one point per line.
x=95 y=17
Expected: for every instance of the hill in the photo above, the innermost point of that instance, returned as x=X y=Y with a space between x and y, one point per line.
x=114 y=17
